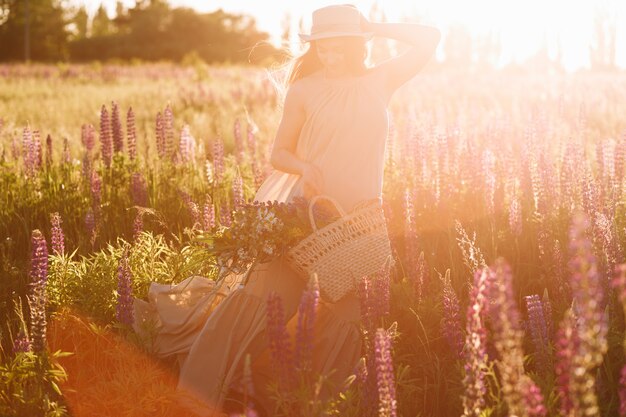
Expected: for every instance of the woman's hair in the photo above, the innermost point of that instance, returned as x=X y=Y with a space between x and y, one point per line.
x=306 y=64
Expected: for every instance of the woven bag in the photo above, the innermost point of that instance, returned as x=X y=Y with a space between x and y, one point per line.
x=343 y=251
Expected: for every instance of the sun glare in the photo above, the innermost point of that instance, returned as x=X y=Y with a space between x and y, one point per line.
x=561 y=27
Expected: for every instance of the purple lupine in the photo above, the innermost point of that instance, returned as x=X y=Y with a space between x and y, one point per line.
x=139 y=190
x=124 y=310
x=515 y=217
x=307 y=312
x=168 y=128
x=137 y=226
x=131 y=134
x=208 y=213
x=37 y=295
x=451 y=321
x=475 y=341
x=96 y=193
x=106 y=141
x=208 y=166
x=218 y=159
x=187 y=145
x=90 y=223
x=160 y=136
x=588 y=295
x=22 y=343
x=589 y=192
x=87 y=136
x=37 y=150
x=619 y=283
x=538 y=331
x=237 y=190
x=567 y=342
x=239 y=145
x=279 y=343
x=66 y=157
x=226 y=217
x=116 y=127
x=533 y=398
x=48 y=151
x=58 y=239
x=385 y=375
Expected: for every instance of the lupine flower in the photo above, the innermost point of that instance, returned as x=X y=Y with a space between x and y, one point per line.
x=279 y=344
x=87 y=136
x=238 y=197
x=209 y=171
x=160 y=135
x=567 y=344
x=67 y=156
x=538 y=327
x=116 y=125
x=508 y=337
x=131 y=134
x=226 y=218
x=515 y=217
x=306 y=322
x=58 y=239
x=48 y=151
x=139 y=190
x=451 y=321
x=187 y=145
x=37 y=150
x=106 y=141
x=168 y=126
x=218 y=159
x=124 y=310
x=475 y=342
x=239 y=146
x=208 y=213
x=588 y=298
x=96 y=193
x=37 y=294
x=27 y=151
x=22 y=343
x=385 y=375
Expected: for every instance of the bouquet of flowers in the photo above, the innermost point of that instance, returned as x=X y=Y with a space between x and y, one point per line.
x=261 y=231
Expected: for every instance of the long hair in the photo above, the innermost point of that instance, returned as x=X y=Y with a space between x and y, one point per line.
x=355 y=49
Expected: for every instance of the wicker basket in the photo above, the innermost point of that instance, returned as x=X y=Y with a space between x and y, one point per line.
x=345 y=250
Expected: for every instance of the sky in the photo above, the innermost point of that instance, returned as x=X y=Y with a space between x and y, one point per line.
x=523 y=25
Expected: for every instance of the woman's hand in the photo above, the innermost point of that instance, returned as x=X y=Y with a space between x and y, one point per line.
x=313 y=180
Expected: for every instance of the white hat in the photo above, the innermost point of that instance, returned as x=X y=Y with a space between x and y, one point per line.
x=332 y=21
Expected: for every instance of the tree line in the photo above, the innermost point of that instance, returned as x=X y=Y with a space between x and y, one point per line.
x=45 y=30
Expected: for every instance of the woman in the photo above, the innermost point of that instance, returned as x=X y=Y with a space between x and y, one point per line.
x=331 y=140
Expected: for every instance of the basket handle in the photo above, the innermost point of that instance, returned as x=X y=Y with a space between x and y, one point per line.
x=314 y=200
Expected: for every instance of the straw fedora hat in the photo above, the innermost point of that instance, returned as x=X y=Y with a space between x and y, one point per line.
x=332 y=21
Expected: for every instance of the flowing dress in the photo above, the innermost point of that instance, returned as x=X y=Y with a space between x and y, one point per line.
x=344 y=134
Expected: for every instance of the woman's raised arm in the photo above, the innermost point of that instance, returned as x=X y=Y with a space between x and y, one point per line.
x=400 y=69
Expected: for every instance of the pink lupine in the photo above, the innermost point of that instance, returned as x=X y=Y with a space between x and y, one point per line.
x=451 y=321
x=473 y=397
x=87 y=137
x=131 y=134
x=139 y=190
x=239 y=145
x=187 y=145
x=208 y=214
x=58 y=239
x=160 y=136
x=22 y=343
x=38 y=278
x=168 y=126
x=566 y=346
x=307 y=312
x=279 y=343
x=385 y=375
x=106 y=141
x=116 y=126
x=124 y=309
x=237 y=190
x=218 y=159
x=48 y=151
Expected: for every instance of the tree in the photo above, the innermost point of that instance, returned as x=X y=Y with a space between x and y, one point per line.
x=32 y=29
x=101 y=25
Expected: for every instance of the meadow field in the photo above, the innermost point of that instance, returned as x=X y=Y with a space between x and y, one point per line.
x=504 y=194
